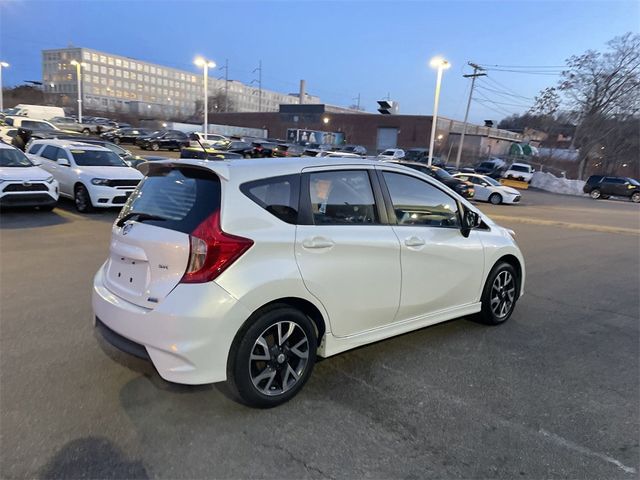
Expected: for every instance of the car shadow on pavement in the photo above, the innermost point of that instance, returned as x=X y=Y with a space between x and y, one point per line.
x=92 y=457
x=17 y=218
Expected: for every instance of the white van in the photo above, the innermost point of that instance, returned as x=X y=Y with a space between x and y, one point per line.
x=39 y=112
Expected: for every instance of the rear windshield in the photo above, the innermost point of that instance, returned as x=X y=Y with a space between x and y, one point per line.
x=97 y=158
x=177 y=198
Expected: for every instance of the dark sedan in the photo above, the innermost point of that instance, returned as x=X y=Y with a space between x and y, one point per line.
x=126 y=135
x=461 y=187
x=164 y=140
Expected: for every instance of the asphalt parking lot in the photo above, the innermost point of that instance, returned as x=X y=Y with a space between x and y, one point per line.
x=553 y=393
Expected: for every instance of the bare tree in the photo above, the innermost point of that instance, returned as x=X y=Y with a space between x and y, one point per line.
x=601 y=87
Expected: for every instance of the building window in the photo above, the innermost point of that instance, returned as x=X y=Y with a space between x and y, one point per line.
x=103 y=70
x=125 y=74
x=152 y=70
x=146 y=69
x=110 y=60
x=118 y=73
x=118 y=62
x=86 y=55
x=111 y=72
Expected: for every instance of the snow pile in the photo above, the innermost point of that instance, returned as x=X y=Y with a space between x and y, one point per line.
x=551 y=183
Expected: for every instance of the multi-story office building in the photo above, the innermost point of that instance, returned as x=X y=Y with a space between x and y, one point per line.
x=114 y=83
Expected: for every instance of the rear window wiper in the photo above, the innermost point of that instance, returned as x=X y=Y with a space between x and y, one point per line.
x=140 y=216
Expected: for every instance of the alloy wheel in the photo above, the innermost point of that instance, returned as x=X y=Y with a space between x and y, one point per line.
x=595 y=194
x=278 y=358
x=503 y=292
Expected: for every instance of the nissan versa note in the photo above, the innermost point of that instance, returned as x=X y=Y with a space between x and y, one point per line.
x=246 y=270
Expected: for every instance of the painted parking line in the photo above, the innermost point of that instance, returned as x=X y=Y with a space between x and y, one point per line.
x=577 y=226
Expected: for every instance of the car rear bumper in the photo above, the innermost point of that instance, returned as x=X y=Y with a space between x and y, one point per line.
x=187 y=336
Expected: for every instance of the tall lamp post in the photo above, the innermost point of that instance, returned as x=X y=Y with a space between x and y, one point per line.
x=441 y=64
x=206 y=65
x=79 y=66
x=2 y=65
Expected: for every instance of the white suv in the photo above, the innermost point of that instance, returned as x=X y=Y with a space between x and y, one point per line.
x=22 y=184
x=246 y=270
x=520 y=171
x=91 y=175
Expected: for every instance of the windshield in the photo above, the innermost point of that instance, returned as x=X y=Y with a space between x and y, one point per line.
x=10 y=157
x=633 y=182
x=442 y=174
x=97 y=158
x=520 y=168
x=491 y=181
x=487 y=165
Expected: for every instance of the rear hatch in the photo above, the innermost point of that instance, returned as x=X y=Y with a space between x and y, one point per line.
x=153 y=238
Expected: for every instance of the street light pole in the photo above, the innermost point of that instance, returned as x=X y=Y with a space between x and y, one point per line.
x=79 y=66
x=206 y=65
x=441 y=64
x=473 y=76
x=2 y=65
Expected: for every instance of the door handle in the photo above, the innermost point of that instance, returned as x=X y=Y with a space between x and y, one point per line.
x=414 y=241
x=317 y=242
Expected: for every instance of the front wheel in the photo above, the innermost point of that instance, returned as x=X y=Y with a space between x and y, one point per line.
x=500 y=294
x=116 y=140
x=635 y=197
x=271 y=359
x=155 y=147
x=495 y=198
x=595 y=194
x=82 y=199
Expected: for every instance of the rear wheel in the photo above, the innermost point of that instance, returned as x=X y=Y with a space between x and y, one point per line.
x=595 y=194
x=495 y=198
x=86 y=131
x=155 y=147
x=116 y=140
x=635 y=197
x=500 y=294
x=271 y=359
x=82 y=199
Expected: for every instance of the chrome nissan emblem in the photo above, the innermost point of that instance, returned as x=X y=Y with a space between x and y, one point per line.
x=126 y=228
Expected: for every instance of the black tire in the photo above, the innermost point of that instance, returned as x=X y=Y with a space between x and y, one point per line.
x=595 y=193
x=495 y=198
x=82 y=199
x=155 y=147
x=116 y=140
x=249 y=378
x=86 y=131
x=509 y=294
x=635 y=197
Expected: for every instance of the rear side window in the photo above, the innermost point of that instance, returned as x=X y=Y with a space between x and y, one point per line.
x=176 y=198
x=50 y=152
x=277 y=195
x=342 y=197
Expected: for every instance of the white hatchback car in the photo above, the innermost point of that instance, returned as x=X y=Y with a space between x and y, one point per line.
x=489 y=190
x=22 y=184
x=245 y=270
x=91 y=175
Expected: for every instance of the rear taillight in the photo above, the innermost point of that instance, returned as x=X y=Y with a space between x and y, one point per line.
x=212 y=251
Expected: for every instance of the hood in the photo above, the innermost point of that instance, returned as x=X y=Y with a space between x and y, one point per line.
x=112 y=173
x=23 y=173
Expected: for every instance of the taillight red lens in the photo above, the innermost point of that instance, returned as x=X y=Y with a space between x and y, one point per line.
x=212 y=251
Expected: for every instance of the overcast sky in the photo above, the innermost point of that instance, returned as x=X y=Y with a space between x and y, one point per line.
x=342 y=49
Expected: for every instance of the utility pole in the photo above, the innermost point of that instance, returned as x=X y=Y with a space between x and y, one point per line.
x=476 y=68
x=259 y=70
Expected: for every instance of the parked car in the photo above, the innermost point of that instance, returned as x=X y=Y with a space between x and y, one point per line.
x=263 y=149
x=459 y=186
x=32 y=124
x=391 y=154
x=131 y=159
x=417 y=155
x=72 y=125
x=208 y=153
x=488 y=189
x=598 y=186
x=357 y=149
x=126 y=135
x=237 y=271
x=7 y=134
x=93 y=176
x=520 y=171
x=36 y=112
x=288 y=150
x=22 y=184
x=242 y=148
x=164 y=140
x=493 y=167
x=196 y=139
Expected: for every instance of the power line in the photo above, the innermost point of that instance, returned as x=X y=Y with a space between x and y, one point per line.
x=502 y=86
x=496 y=110
x=503 y=103
x=503 y=93
x=486 y=65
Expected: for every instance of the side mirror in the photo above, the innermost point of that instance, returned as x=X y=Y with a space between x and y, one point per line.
x=470 y=220
x=63 y=162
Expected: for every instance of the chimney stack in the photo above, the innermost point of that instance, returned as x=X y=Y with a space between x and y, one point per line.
x=302 y=93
